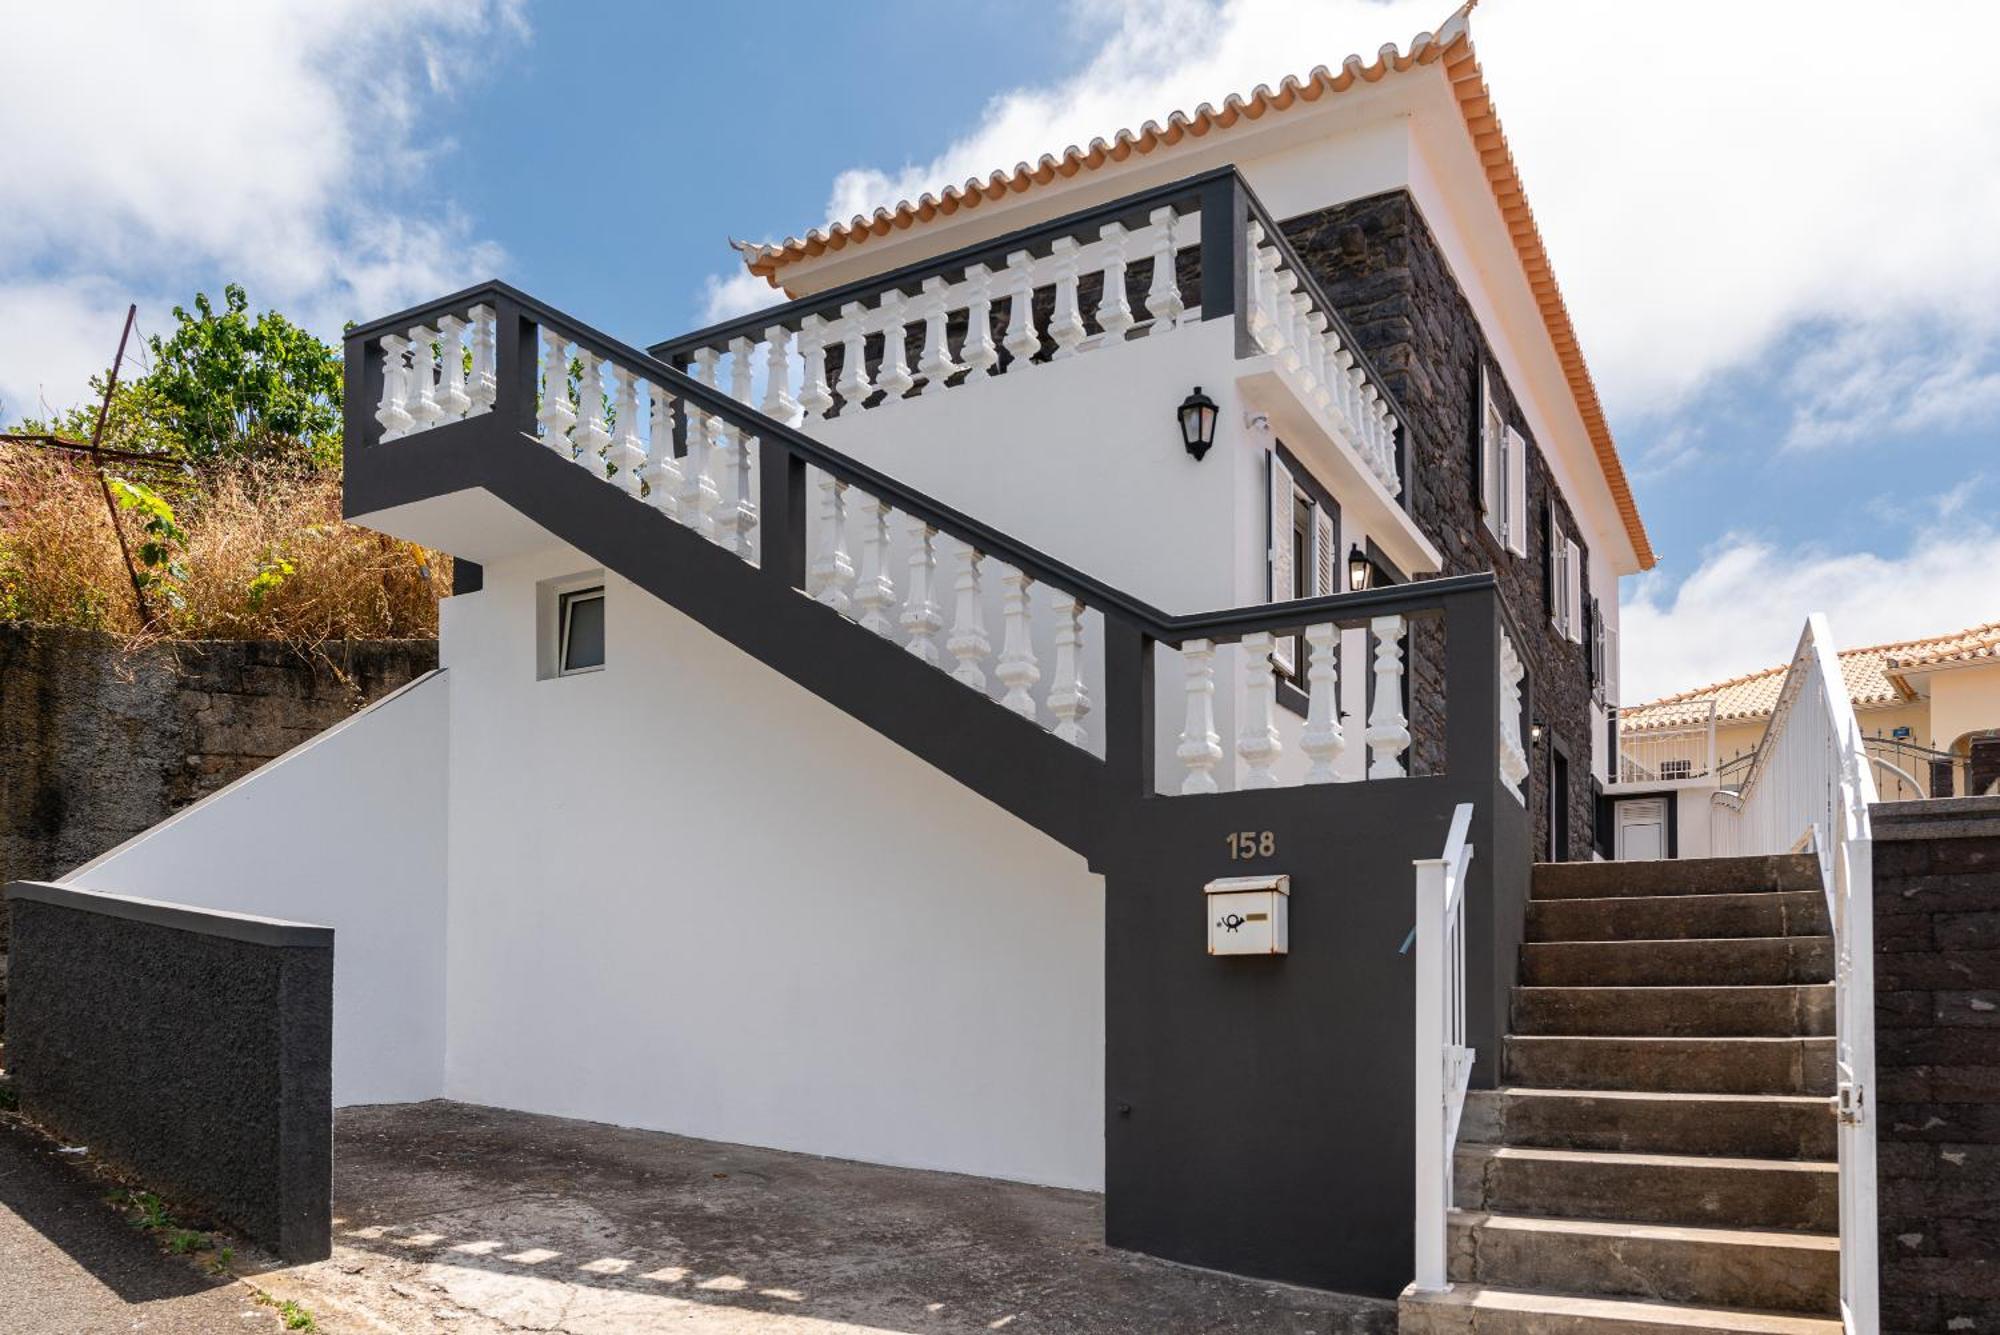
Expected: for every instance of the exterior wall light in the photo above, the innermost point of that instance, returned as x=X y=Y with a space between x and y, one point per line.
x=1197 y=414
x=1535 y=732
x=1360 y=570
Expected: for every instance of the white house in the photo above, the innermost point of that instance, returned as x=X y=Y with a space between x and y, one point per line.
x=1246 y=465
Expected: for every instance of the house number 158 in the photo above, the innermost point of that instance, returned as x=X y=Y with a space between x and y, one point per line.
x=1246 y=844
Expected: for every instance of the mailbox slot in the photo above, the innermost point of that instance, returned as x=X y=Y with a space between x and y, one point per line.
x=1249 y=915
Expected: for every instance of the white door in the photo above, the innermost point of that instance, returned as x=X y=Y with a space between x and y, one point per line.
x=1642 y=830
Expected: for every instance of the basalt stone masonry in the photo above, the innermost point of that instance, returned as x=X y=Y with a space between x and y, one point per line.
x=101 y=740
x=1381 y=266
x=1937 y=1062
x=191 y=1049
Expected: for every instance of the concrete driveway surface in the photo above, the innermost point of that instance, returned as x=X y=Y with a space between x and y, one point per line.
x=69 y=1265
x=464 y=1219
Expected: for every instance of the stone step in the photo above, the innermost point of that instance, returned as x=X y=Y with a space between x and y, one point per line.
x=1675 y=876
x=1784 y=1010
x=1483 y=1310
x=1674 y=1065
x=1757 y=1126
x=1709 y=1267
x=1802 y=1196
x=1708 y=962
x=1679 y=917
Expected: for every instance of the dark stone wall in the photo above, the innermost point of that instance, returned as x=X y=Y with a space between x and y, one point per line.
x=1380 y=264
x=1937 y=1062
x=101 y=740
x=189 y=1049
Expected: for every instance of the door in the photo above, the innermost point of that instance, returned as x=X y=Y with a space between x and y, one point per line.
x=1642 y=830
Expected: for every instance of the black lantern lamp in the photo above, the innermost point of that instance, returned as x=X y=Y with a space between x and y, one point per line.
x=1360 y=570
x=1197 y=414
x=1535 y=732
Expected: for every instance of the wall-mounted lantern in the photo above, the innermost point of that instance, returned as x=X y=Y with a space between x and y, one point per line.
x=1360 y=570
x=1535 y=732
x=1197 y=414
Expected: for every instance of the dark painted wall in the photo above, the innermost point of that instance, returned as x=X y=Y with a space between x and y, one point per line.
x=1937 y=1062
x=192 y=1050
x=1378 y=261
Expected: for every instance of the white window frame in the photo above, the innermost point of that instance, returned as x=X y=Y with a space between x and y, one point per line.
x=566 y=601
x=1280 y=577
x=1503 y=472
x=1516 y=537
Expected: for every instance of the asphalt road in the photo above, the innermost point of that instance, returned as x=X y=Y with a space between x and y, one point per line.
x=70 y=1266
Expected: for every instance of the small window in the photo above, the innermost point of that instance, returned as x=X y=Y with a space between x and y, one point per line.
x=581 y=644
x=1676 y=769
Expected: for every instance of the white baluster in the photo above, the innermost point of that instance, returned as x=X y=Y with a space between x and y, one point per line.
x=1066 y=325
x=1389 y=478
x=895 y=379
x=1388 y=731
x=1314 y=369
x=555 y=414
x=395 y=419
x=663 y=470
x=877 y=590
x=1018 y=669
x=854 y=385
x=936 y=363
x=451 y=396
x=1322 y=740
x=981 y=357
x=626 y=454
x=1022 y=342
x=833 y=571
x=1257 y=742
x=1513 y=755
x=698 y=497
x=422 y=401
x=968 y=642
x=1201 y=748
x=1069 y=701
x=1114 y=307
x=814 y=397
x=921 y=618
x=737 y=513
x=1350 y=404
x=590 y=435
x=1285 y=315
x=1259 y=265
x=779 y=405
x=1302 y=313
x=483 y=387
x=1163 y=295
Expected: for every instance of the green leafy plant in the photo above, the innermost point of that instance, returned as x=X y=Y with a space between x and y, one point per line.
x=181 y=1241
x=159 y=555
x=296 y=1317
x=232 y=385
x=149 y=1211
x=270 y=577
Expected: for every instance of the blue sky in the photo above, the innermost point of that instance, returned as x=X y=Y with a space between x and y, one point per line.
x=1774 y=224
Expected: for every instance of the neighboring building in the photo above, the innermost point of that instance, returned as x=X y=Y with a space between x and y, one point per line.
x=1929 y=709
x=878 y=739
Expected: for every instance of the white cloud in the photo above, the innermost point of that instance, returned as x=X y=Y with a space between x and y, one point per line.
x=1709 y=175
x=1744 y=607
x=739 y=294
x=282 y=145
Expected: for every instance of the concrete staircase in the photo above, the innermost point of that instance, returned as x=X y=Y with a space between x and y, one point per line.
x=1660 y=1157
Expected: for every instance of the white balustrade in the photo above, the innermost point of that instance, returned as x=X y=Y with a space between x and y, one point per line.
x=421 y=401
x=626 y=454
x=1513 y=754
x=1163 y=292
x=854 y=386
x=1068 y=700
x=936 y=363
x=1257 y=743
x=1322 y=740
x=894 y=378
x=736 y=513
x=555 y=414
x=589 y=435
x=815 y=398
x=699 y=497
x=968 y=642
x=1388 y=733
x=482 y=387
x=921 y=620
x=1066 y=324
x=1200 y=750
x=663 y=470
x=1018 y=669
x=876 y=591
x=1022 y=342
x=832 y=572
x=981 y=357
x=395 y=419
x=1443 y=1060
x=1114 y=306
x=452 y=400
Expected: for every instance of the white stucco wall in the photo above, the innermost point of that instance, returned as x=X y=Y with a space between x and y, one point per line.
x=345 y=831
x=687 y=895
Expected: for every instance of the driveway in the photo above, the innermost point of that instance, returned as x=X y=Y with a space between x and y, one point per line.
x=464 y=1219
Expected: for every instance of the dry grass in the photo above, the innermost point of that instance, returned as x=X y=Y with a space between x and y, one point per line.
x=60 y=564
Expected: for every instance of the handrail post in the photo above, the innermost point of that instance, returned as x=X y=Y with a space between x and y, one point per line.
x=1433 y=1175
x=1225 y=272
x=781 y=513
x=515 y=366
x=1128 y=707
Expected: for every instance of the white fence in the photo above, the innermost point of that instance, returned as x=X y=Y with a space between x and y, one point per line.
x=1681 y=746
x=1444 y=1062
x=1809 y=789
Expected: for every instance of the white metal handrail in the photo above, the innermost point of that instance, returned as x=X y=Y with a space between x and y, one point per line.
x=1809 y=789
x=1444 y=1062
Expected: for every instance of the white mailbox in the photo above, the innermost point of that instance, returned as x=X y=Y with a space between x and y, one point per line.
x=1247 y=915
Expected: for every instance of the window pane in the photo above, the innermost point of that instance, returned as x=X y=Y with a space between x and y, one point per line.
x=583 y=638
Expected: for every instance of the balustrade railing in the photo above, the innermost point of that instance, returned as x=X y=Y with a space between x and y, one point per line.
x=1142 y=266
x=1671 y=744
x=1443 y=1061
x=1808 y=789
x=871 y=549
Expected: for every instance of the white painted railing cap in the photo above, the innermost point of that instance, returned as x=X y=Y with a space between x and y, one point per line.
x=1236 y=885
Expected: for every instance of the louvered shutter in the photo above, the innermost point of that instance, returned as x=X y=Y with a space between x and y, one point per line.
x=1491 y=476
x=1517 y=492
x=1558 y=586
x=1611 y=665
x=1325 y=554
x=1573 y=586
x=1284 y=651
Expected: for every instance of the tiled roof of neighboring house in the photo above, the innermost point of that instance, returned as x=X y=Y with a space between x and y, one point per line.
x=1451 y=46
x=1873 y=677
